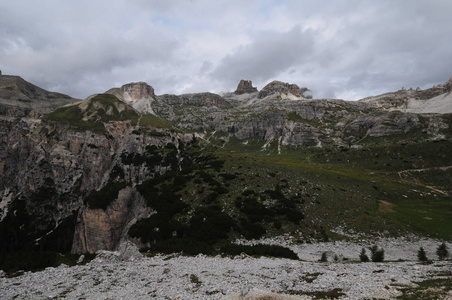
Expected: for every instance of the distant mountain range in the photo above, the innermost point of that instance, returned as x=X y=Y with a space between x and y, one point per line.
x=195 y=172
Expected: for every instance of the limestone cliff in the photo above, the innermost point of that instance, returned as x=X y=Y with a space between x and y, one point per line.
x=139 y=95
x=98 y=229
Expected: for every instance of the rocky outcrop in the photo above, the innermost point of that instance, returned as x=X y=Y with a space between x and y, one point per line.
x=139 y=95
x=199 y=99
x=432 y=100
x=278 y=87
x=245 y=87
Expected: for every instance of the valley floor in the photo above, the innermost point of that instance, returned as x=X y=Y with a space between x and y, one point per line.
x=202 y=277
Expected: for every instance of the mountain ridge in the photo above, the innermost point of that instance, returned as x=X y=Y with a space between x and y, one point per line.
x=19 y=97
x=237 y=164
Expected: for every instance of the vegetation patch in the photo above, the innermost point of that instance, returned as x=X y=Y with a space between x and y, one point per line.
x=438 y=288
x=100 y=109
x=154 y=121
x=13 y=262
x=332 y=294
x=294 y=117
x=259 y=250
x=101 y=199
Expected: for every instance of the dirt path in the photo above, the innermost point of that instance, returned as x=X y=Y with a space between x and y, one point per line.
x=403 y=175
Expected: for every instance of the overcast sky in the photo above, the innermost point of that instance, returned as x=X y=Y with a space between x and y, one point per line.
x=344 y=49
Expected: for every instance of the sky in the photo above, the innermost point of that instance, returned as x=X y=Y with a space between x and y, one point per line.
x=346 y=49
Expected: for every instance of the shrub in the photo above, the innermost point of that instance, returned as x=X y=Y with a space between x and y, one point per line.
x=227 y=176
x=442 y=251
x=421 y=255
x=377 y=255
x=363 y=256
x=324 y=257
x=209 y=224
x=248 y=193
x=101 y=199
x=210 y=198
x=251 y=230
x=259 y=250
x=185 y=245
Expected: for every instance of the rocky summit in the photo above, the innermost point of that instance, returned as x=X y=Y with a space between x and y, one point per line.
x=139 y=95
x=281 y=89
x=244 y=87
x=214 y=174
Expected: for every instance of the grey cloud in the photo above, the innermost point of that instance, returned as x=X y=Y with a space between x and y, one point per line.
x=355 y=47
x=71 y=56
x=267 y=55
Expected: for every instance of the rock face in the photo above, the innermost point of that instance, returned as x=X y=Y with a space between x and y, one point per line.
x=279 y=87
x=245 y=87
x=99 y=229
x=139 y=95
x=199 y=99
x=47 y=170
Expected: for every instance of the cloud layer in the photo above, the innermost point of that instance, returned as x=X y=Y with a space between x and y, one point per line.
x=346 y=49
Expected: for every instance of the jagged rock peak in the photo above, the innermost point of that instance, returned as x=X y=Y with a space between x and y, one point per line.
x=280 y=87
x=245 y=87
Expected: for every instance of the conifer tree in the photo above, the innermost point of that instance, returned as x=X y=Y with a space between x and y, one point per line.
x=421 y=255
x=363 y=256
x=442 y=251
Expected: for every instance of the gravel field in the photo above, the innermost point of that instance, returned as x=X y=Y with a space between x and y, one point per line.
x=127 y=275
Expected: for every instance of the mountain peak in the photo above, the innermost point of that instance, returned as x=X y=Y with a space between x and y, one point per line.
x=245 y=87
x=93 y=112
x=139 y=95
x=280 y=87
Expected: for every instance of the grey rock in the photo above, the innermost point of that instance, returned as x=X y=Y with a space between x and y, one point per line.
x=245 y=87
x=139 y=95
x=280 y=87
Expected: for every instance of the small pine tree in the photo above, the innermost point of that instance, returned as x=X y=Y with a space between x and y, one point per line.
x=421 y=255
x=377 y=255
x=442 y=251
x=363 y=256
x=324 y=257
